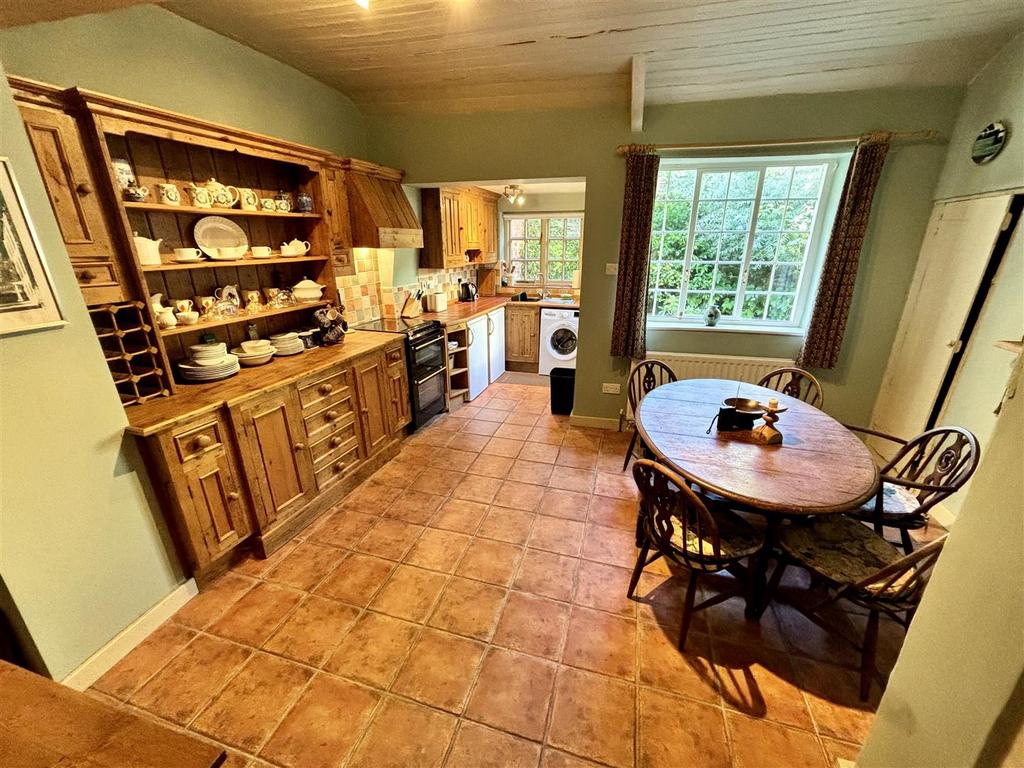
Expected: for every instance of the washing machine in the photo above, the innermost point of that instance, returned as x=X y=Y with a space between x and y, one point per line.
x=559 y=329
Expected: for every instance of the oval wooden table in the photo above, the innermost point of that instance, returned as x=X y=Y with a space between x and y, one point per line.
x=820 y=467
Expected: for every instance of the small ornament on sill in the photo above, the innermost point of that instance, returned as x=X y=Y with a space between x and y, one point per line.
x=711 y=318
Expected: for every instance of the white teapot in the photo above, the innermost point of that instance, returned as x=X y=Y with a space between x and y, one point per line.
x=221 y=195
x=295 y=248
x=306 y=291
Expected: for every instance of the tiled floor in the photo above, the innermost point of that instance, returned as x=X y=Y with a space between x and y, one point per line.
x=466 y=607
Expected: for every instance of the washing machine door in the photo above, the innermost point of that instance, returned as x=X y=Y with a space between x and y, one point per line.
x=562 y=341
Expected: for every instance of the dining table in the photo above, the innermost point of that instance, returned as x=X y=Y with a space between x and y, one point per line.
x=820 y=467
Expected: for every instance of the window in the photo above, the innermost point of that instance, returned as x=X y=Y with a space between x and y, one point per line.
x=744 y=235
x=545 y=249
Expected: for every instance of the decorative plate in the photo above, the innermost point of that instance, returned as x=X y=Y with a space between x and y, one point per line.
x=213 y=232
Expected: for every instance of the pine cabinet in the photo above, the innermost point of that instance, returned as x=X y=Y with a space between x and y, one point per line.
x=469 y=222
x=522 y=333
x=336 y=217
x=220 y=515
x=489 y=225
x=442 y=221
x=372 y=390
x=400 y=409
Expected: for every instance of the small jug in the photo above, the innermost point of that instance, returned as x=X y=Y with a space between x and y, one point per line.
x=168 y=194
x=147 y=250
x=201 y=197
x=166 y=318
x=248 y=200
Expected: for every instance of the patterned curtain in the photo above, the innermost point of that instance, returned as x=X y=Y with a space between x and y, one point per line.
x=629 y=327
x=839 y=273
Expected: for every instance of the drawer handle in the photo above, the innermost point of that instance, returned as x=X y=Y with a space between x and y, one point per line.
x=339 y=466
x=203 y=441
x=336 y=441
x=86 y=275
x=299 y=446
x=332 y=415
x=326 y=389
x=83 y=189
x=233 y=496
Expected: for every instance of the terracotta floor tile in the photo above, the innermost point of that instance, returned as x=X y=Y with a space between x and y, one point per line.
x=503 y=446
x=619 y=486
x=373 y=650
x=371 y=496
x=534 y=625
x=571 y=505
x=604 y=587
x=728 y=622
x=613 y=546
x=555 y=759
x=521 y=418
x=805 y=638
x=584 y=437
x=839 y=749
x=692 y=673
x=515 y=495
x=491 y=561
x=410 y=593
x=247 y=711
x=547 y=574
x=404 y=735
x=660 y=598
x=191 y=679
x=342 y=528
x=145 y=660
x=503 y=403
x=580 y=458
x=594 y=717
x=459 y=515
x=416 y=507
x=440 y=670
x=758 y=743
x=469 y=608
x=465 y=441
x=306 y=566
x=833 y=695
x=416 y=454
x=601 y=642
x=357 y=579
x=761 y=683
x=477 y=746
x=492 y=414
x=212 y=602
x=551 y=436
x=323 y=726
x=438 y=550
x=454 y=458
x=571 y=479
x=611 y=461
x=540 y=452
x=510 y=525
x=400 y=474
x=390 y=539
x=553 y=534
x=465 y=412
x=513 y=431
x=438 y=481
x=313 y=630
x=490 y=466
x=613 y=513
x=512 y=693
x=256 y=567
x=673 y=731
x=480 y=426
x=430 y=436
x=252 y=619
x=534 y=472
x=477 y=488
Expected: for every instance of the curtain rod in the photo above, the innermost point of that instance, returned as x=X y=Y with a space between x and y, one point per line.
x=928 y=135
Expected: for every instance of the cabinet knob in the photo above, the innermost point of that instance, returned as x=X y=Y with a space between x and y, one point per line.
x=86 y=275
x=336 y=441
x=339 y=465
x=204 y=441
x=299 y=446
x=330 y=211
x=233 y=496
x=326 y=389
x=84 y=188
x=332 y=415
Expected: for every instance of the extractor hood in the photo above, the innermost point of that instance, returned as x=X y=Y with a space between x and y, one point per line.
x=380 y=212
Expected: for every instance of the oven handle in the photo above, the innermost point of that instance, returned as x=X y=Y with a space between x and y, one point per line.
x=427 y=343
x=428 y=378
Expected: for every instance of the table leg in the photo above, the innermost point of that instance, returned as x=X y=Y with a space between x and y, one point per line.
x=757 y=597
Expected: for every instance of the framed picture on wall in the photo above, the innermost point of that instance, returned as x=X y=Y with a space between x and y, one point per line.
x=27 y=299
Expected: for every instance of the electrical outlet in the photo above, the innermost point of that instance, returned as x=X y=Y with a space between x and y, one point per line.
x=610 y=389
x=611 y=268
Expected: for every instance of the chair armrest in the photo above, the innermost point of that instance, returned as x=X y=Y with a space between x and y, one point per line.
x=876 y=433
x=915 y=485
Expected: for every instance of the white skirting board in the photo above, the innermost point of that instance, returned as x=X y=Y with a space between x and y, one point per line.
x=124 y=642
x=594 y=422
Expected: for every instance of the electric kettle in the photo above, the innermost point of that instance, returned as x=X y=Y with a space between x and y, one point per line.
x=467 y=291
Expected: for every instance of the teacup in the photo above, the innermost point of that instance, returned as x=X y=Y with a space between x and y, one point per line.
x=253 y=347
x=187 y=318
x=261 y=251
x=187 y=254
x=183 y=305
x=248 y=200
x=168 y=194
x=229 y=252
x=267 y=204
x=205 y=303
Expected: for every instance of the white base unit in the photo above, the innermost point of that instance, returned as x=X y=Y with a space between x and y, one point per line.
x=496 y=343
x=559 y=329
x=478 y=357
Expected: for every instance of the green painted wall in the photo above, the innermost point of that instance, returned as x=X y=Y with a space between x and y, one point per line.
x=581 y=143
x=148 y=54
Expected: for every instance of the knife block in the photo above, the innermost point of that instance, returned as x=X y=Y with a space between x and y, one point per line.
x=412 y=307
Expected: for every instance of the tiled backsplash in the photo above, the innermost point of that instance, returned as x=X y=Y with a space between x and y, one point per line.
x=429 y=281
x=360 y=293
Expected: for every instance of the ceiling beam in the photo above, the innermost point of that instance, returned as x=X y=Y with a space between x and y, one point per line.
x=637 y=89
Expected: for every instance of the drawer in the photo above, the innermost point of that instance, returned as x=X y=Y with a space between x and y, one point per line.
x=315 y=393
x=95 y=274
x=334 y=444
x=333 y=414
x=334 y=470
x=393 y=356
x=198 y=440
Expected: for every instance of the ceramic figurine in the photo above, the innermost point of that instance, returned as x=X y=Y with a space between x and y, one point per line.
x=123 y=172
x=304 y=203
x=711 y=318
x=133 y=193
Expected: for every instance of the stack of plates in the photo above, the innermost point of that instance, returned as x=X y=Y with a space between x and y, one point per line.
x=287 y=343
x=210 y=362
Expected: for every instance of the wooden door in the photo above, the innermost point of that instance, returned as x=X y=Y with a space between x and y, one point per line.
x=216 y=508
x=373 y=391
x=522 y=332
x=469 y=222
x=956 y=250
x=450 y=238
x=71 y=186
x=399 y=411
x=489 y=228
x=275 y=454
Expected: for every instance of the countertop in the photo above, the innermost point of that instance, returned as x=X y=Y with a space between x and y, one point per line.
x=197 y=399
x=461 y=311
x=548 y=304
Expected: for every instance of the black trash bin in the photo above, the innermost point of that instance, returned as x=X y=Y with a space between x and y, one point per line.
x=563 y=382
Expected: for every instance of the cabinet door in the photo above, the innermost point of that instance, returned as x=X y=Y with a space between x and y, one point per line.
x=469 y=222
x=400 y=411
x=496 y=344
x=219 y=521
x=477 y=355
x=489 y=226
x=275 y=453
x=70 y=184
x=374 y=401
x=451 y=241
x=521 y=335
x=336 y=210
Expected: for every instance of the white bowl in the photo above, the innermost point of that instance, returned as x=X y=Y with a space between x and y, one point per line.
x=252 y=360
x=257 y=346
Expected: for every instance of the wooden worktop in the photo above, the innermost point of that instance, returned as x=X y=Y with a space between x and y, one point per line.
x=197 y=399
x=461 y=311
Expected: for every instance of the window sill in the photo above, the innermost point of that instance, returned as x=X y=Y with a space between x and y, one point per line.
x=762 y=330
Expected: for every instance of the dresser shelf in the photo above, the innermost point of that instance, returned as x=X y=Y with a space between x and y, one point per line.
x=247 y=262
x=241 y=317
x=193 y=210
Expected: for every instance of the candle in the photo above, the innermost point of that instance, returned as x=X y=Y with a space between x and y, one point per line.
x=773 y=403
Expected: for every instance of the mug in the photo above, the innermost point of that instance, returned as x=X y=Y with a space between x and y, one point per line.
x=168 y=194
x=267 y=204
x=248 y=200
x=261 y=251
x=205 y=303
x=187 y=254
x=201 y=197
x=187 y=318
x=183 y=305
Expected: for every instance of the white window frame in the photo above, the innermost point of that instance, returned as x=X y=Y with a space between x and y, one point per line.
x=544 y=216
x=836 y=164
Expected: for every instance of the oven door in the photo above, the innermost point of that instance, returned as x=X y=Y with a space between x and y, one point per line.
x=427 y=396
x=426 y=356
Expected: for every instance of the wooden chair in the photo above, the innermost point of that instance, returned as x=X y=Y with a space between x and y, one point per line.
x=797 y=383
x=647 y=375
x=923 y=472
x=859 y=566
x=676 y=524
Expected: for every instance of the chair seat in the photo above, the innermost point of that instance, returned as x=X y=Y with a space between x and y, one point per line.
x=737 y=539
x=842 y=550
x=899 y=507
